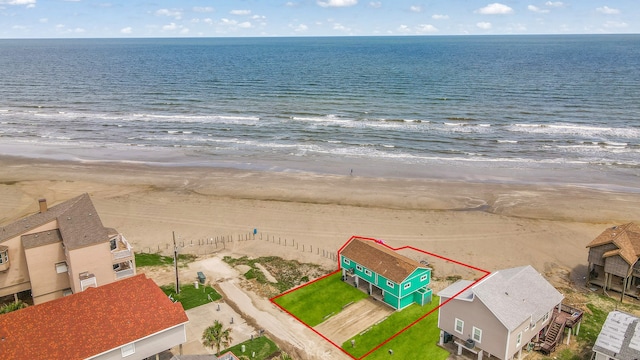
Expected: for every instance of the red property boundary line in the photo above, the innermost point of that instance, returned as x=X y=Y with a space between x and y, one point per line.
x=380 y=242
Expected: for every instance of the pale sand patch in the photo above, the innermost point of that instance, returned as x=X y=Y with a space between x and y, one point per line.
x=267 y=274
x=519 y=224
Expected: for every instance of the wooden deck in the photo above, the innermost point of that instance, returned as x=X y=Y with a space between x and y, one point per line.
x=569 y=317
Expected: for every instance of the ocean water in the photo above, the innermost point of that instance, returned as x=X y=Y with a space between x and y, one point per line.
x=532 y=109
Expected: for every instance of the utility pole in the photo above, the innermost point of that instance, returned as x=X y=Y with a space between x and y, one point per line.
x=175 y=261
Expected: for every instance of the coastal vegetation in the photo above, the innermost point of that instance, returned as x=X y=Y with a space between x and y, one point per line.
x=191 y=297
x=146 y=259
x=216 y=336
x=259 y=348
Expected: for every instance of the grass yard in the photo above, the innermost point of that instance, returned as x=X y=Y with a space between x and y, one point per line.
x=312 y=303
x=143 y=259
x=191 y=297
x=417 y=342
x=262 y=346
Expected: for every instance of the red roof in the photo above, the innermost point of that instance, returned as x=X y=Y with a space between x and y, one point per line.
x=89 y=323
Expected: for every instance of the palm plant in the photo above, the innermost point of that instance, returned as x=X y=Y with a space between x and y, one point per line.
x=6 y=308
x=216 y=336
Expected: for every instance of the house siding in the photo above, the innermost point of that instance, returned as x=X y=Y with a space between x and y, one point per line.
x=46 y=283
x=149 y=346
x=596 y=253
x=616 y=265
x=396 y=296
x=474 y=313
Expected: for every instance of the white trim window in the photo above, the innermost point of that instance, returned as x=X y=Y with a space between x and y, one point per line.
x=346 y=261
x=128 y=349
x=424 y=277
x=391 y=284
x=367 y=272
x=459 y=328
x=61 y=267
x=359 y=267
x=476 y=334
x=407 y=285
x=519 y=339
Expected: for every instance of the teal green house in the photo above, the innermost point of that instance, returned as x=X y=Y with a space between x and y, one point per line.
x=386 y=275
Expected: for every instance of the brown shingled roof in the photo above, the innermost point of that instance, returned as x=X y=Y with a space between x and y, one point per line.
x=78 y=222
x=380 y=259
x=89 y=323
x=41 y=238
x=626 y=237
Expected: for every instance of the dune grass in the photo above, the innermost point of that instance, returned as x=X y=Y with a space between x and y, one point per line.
x=313 y=303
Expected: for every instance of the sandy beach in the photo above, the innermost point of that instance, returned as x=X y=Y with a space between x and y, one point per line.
x=490 y=226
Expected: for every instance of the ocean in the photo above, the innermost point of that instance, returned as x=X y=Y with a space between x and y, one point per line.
x=518 y=109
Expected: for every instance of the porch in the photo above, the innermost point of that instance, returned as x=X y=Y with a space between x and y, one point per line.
x=354 y=280
x=120 y=249
x=610 y=282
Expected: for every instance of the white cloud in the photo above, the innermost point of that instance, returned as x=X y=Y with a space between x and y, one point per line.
x=495 y=9
x=43 y=20
x=337 y=3
x=426 y=29
x=403 y=29
x=203 y=9
x=19 y=27
x=126 y=30
x=299 y=28
x=18 y=2
x=177 y=14
x=484 y=25
x=607 y=10
x=615 y=25
x=375 y=4
x=440 y=17
x=554 y=4
x=291 y=4
x=536 y=9
x=240 y=12
x=245 y=25
x=208 y=21
x=170 y=27
x=415 y=8
x=340 y=27
x=184 y=31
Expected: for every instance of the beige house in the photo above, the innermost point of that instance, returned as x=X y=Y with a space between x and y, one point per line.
x=613 y=259
x=60 y=251
x=130 y=319
x=498 y=316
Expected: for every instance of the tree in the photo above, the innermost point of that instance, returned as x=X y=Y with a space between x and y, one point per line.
x=216 y=336
x=7 y=308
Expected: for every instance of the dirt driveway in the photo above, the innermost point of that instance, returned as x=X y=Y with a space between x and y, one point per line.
x=353 y=320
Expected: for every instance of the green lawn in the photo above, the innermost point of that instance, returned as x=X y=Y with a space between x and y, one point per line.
x=191 y=297
x=144 y=259
x=262 y=346
x=417 y=342
x=312 y=303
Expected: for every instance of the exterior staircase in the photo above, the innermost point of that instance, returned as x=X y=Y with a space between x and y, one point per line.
x=553 y=336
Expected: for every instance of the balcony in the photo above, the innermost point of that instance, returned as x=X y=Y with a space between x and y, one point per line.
x=124 y=269
x=120 y=249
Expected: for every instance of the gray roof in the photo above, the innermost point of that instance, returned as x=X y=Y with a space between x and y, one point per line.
x=78 y=222
x=620 y=337
x=513 y=295
x=42 y=238
x=455 y=288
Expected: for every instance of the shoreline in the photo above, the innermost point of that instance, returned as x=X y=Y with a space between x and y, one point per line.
x=491 y=226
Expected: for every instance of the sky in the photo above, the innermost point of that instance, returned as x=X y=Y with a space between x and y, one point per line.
x=249 y=18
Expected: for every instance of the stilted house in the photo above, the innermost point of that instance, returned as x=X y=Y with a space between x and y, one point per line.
x=613 y=259
x=504 y=314
x=386 y=275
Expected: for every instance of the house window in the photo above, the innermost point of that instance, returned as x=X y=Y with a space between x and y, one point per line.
x=4 y=256
x=359 y=267
x=477 y=334
x=407 y=285
x=61 y=267
x=459 y=326
x=518 y=339
x=367 y=272
x=346 y=261
x=128 y=349
x=545 y=317
x=424 y=277
x=391 y=284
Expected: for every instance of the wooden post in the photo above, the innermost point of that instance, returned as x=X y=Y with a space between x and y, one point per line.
x=175 y=261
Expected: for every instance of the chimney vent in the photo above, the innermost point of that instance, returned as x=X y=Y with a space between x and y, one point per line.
x=43 y=205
